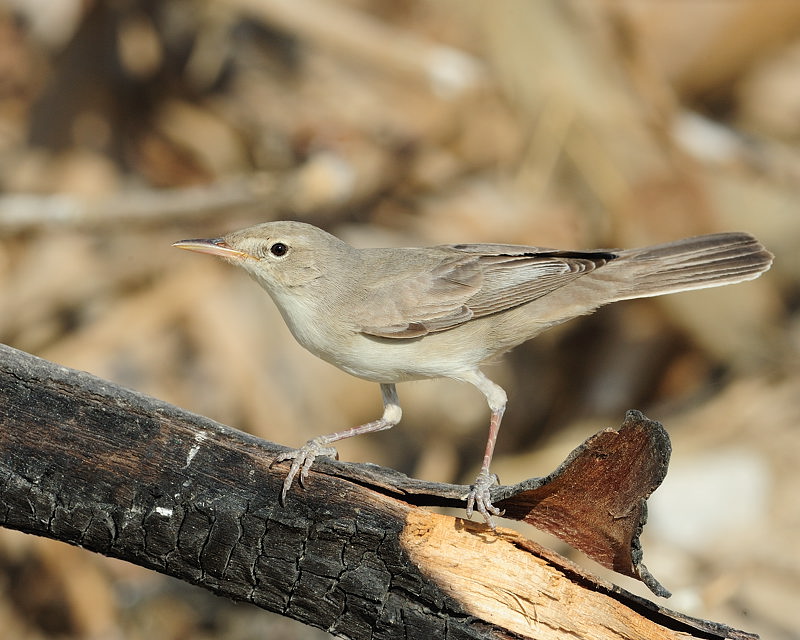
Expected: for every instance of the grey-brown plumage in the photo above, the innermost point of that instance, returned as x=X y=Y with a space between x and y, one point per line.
x=390 y=315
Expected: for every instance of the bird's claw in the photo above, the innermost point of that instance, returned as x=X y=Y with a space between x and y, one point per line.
x=479 y=497
x=302 y=459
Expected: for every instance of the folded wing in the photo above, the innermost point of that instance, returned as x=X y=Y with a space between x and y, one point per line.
x=472 y=281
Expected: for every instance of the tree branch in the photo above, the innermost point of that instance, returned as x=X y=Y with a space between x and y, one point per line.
x=25 y=211
x=87 y=462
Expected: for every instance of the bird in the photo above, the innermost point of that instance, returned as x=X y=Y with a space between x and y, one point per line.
x=391 y=315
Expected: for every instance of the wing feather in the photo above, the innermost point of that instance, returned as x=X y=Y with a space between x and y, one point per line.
x=473 y=281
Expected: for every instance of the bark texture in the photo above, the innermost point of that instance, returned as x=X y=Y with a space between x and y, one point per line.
x=87 y=462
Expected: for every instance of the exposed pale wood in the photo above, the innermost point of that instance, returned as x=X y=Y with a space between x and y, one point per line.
x=516 y=589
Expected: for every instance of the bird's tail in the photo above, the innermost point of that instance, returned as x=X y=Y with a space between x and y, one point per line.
x=693 y=263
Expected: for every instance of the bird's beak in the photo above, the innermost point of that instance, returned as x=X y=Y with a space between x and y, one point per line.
x=214 y=246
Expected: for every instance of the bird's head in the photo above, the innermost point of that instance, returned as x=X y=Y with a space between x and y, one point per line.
x=278 y=255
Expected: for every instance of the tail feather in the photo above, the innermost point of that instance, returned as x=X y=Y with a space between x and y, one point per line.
x=693 y=263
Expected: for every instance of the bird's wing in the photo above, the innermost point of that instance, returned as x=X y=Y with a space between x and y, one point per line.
x=471 y=281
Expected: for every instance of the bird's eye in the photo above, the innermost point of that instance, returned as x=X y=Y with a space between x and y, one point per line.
x=278 y=249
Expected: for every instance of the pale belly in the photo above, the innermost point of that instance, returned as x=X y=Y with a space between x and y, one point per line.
x=444 y=354
x=387 y=360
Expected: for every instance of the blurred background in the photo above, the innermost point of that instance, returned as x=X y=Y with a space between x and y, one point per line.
x=127 y=125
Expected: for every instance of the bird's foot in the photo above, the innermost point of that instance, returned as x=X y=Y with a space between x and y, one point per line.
x=479 y=497
x=302 y=459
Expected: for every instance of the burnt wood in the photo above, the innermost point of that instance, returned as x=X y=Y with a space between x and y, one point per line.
x=87 y=462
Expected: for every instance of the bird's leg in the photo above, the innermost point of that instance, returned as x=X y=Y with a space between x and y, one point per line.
x=479 y=496
x=303 y=458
